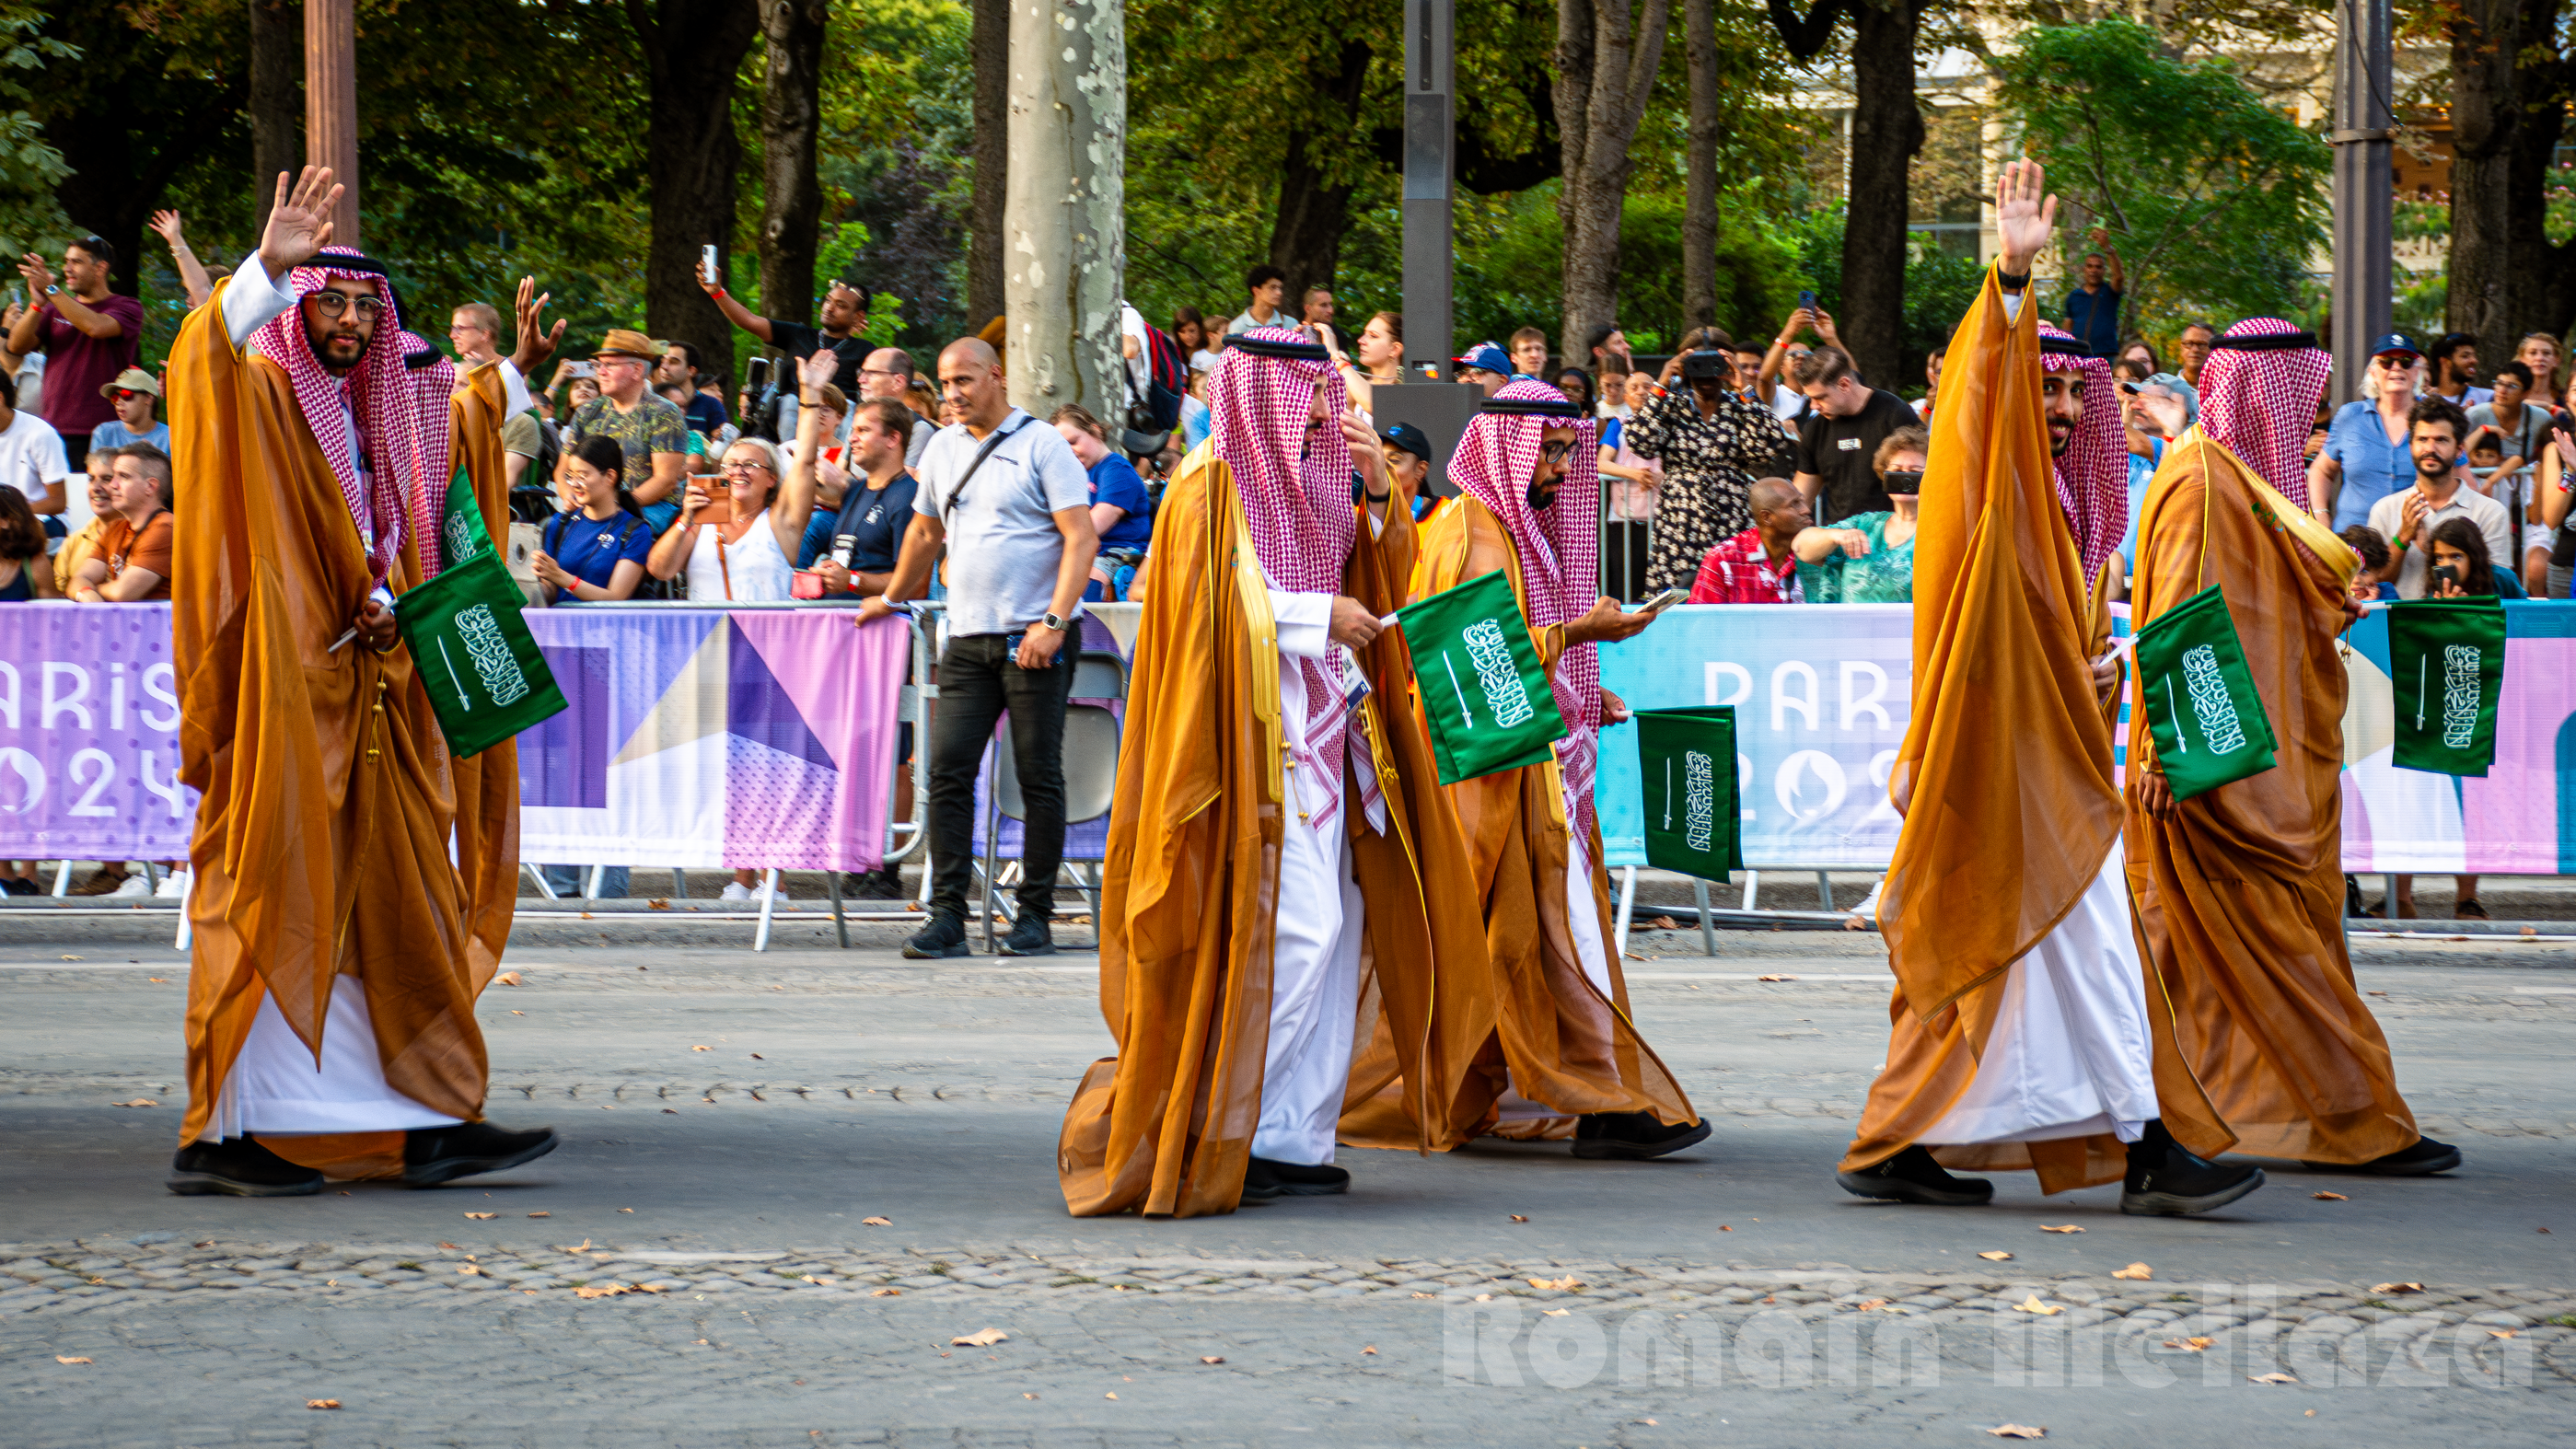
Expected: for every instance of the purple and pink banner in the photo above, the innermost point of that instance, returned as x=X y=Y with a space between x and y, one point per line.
x=89 y=734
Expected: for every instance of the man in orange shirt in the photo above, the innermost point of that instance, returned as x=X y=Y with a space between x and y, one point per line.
x=133 y=558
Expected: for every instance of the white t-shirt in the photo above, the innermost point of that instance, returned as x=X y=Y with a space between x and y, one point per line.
x=2389 y=513
x=32 y=461
x=1003 y=547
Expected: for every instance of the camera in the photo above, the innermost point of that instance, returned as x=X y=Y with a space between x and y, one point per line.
x=1710 y=366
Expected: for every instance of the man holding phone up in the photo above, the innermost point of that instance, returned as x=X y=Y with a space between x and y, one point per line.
x=1542 y=1041
x=1019 y=507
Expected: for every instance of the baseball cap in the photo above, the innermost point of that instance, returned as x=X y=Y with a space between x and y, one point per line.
x=2395 y=342
x=1408 y=437
x=132 y=379
x=1489 y=357
x=2172 y=385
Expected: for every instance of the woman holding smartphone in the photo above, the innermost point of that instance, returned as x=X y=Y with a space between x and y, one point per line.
x=739 y=542
x=595 y=550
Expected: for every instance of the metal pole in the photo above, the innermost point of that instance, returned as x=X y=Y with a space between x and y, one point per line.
x=2363 y=129
x=331 y=104
x=1430 y=166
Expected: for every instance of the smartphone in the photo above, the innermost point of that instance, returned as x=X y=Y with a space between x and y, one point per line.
x=579 y=369
x=755 y=375
x=707 y=259
x=2447 y=574
x=1805 y=299
x=719 y=508
x=1663 y=601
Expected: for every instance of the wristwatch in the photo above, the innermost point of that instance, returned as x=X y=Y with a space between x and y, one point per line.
x=1055 y=621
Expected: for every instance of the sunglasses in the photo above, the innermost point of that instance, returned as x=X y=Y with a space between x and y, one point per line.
x=127 y=394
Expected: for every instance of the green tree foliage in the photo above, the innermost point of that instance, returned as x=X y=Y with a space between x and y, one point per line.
x=2215 y=199
x=30 y=167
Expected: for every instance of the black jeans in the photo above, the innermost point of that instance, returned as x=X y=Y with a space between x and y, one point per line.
x=978 y=680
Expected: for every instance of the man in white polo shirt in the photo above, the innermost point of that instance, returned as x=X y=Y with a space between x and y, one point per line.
x=2435 y=428
x=32 y=461
x=1018 y=505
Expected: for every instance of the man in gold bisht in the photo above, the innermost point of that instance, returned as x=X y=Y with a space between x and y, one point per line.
x=338 y=949
x=2021 y=1033
x=1278 y=869
x=2239 y=889
x=1547 y=1047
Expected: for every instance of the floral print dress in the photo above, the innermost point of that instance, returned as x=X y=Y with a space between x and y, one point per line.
x=1709 y=465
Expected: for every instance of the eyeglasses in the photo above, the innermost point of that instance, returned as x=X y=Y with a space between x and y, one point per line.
x=884 y=372
x=335 y=303
x=127 y=394
x=746 y=465
x=1554 y=452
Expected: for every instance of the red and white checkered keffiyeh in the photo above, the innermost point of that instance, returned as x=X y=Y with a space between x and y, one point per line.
x=382 y=395
x=2261 y=402
x=433 y=390
x=1560 y=553
x=2093 y=476
x=1295 y=482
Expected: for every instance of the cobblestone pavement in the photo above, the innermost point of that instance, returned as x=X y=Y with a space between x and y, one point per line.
x=695 y=1268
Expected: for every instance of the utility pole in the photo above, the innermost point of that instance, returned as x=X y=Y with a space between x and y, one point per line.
x=1430 y=167
x=1064 y=231
x=331 y=105
x=2363 y=235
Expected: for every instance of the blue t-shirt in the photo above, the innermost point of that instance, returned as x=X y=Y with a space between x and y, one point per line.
x=2141 y=472
x=818 y=537
x=587 y=548
x=2094 y=319
x=1610 y=434
x=2373 y=467
x=115 y=434
x=1114 y=481
x=871 y=538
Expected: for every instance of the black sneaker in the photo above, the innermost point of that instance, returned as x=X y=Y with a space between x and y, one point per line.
x=1912 y=1176
x=1633 y=1135
x=2167 y=1181
x=944 y=937
x=19 y=885
x=1264 y=1179
x=2425 y=1157
x=882 y=884
x=1029 y=937
x=432 y=1155
x=239 y=1167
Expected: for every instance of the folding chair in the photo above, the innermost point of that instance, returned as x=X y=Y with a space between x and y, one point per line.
x=1091 y=734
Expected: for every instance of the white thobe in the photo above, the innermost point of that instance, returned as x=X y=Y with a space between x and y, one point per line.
x=2069 y=1055
x=275 y=1087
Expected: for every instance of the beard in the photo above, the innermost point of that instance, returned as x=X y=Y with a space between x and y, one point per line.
x=2061 y=436
x=2429 y=466
x=1542 y=496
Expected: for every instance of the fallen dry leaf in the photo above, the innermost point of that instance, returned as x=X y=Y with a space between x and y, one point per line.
x=1566 y=1284
x=137 y=1102
x=2032 y=1304
x=1113 y=1393
x=981 y=1338
x=518 y=1013
x=75 y=958
x=2396 y=1287
x=1206 y=1358
x=541 y=1215
x=1996 y=1256
x=755 y=1056
x=657 y=905
x=470 y=1271
x=2017 y=1431
x=1484 y=1298
x=701 y=1049
x=2190 y=1345
x=1516 y=1217
x=451 y=1247
x=626 y=1210
x=2503 y=1332
x=1372 y=1348
x=482 y=1215
x=820 y=1282
x=1665 y=923
x=1028 y=1396
x=1426 y=1295
x=158 y=980
x=1557 y=1312
x=321 y=1403
x=876 y=1222
x=2329 y=1197
x=602 y=1290
x=509 y=978
x=2269 y=1379
x=2379 y=993
x=1723 y=1228
x=2069 y=1228
x=1775 y=978
x=62 y=1358
x=2139 y=1271
x=584 y=1248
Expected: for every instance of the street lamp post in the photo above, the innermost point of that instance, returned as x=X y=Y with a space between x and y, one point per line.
x=2363 y=236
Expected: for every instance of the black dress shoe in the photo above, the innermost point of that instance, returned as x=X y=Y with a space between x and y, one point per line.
x=1912 y=1176
x=944 y=937
x=239 y=1167
x=1634 y=1135
x=2166 y=1181
x=432 y=1155
x=1029 y=937
x=882 y=884
x=1264 y=1179
x=2425 y=1157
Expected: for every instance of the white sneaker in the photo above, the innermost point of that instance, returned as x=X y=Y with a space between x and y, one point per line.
x=133 y=885
x=734 y=891
x=173 y=884
x=1865 y=915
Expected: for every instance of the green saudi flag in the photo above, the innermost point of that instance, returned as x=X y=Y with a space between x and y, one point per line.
x=1484 y=696
x=1686 y=764
x=2202 y=708
x=2446 y=660
x=486 y=678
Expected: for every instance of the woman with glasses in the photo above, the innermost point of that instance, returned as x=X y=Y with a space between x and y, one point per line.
x=748 y=553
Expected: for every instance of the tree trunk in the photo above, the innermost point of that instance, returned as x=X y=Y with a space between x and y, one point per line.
x=2547 y=268
x=991 y=48
x=1699 y=193
x=1886 y=132
x=1065 y=230
x=1606 y=69
x=2487 y=113
x=791 y=115
x=276 y=98
x=1314 y=212
x=693 y=52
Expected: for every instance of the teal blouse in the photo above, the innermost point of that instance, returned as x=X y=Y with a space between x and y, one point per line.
x=1884 y=576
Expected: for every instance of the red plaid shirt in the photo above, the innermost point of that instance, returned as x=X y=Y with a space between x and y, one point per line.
x=1740 y=571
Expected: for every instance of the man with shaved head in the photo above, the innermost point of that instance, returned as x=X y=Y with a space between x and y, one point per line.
x=1756 y=566
x=1018 y=504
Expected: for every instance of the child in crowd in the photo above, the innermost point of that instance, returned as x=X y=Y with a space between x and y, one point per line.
x=2377 y=579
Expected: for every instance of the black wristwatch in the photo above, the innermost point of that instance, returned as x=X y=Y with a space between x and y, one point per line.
x=1055 y=621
